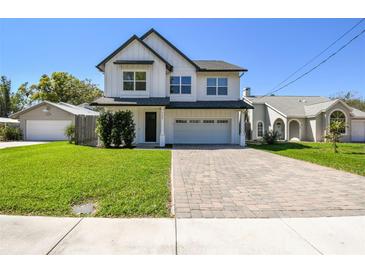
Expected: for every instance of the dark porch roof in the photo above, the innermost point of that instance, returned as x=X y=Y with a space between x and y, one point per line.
x=234 y=104
x=116 y=101
x=165 y=101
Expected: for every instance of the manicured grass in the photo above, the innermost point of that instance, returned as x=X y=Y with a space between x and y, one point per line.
x=49 y=179
x=351 y=157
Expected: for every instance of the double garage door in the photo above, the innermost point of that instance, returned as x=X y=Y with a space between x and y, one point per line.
x=202 y=131
x=358 y=131
x=46 y=130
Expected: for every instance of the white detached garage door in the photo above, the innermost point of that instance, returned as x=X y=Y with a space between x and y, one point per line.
x=49 y=130
x=202 y=131
x=358 y=131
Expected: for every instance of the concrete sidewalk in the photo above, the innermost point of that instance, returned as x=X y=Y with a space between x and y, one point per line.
x=51 y=235
x=19 y=144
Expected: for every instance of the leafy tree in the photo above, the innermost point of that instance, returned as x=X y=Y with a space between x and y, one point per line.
x=351 y=99
x=104 y=127
x=21 y=98
x=129 y=130
x=334 y=133
x=118 y=127
x=5 y=103
x=64 y=87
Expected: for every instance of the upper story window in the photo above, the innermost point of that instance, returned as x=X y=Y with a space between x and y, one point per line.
x=180 y=85
x=217 y=86
x=134 y=80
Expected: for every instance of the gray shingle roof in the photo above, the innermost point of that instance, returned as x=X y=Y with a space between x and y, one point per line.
x=358 y=113
x=217 y=65
x=115 y=101
x=76 y=110
x=165 y=101
x=293 y=105
x=236 y=104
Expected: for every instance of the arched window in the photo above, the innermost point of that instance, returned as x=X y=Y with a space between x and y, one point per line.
x=260 y=129
x=338 y=115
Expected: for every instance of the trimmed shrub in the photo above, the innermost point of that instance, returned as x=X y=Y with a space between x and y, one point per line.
x=10 y=133
x=104 y=127
x=70 y=133
x=128 y=133
x=271 y=137
x=118 y=127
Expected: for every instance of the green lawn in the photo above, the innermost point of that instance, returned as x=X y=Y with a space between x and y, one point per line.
x=351 y=157
x=49 y=179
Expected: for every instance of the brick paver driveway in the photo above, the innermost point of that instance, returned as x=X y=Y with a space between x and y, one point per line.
x=217 y=182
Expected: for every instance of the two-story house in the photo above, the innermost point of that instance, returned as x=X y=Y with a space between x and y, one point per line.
x=175 y=100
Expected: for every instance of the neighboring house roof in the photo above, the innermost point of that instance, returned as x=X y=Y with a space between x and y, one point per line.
x=293 y=106
x=301 y=106
x=217 y=65
x=75 y=110
x=8 y=120
x=101 y=65
x=165 y=101
x=358 y=113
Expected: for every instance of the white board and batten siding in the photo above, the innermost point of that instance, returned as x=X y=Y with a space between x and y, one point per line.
x=46 y=130
x=155 y=73
x=358 y=130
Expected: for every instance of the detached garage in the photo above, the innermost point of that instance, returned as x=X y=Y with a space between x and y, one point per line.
x=47 y=121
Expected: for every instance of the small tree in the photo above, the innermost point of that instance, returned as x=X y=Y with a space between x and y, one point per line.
x=70 y=133
x=118 y=127
x=271 y=137
x=334 y=132
x=104 y=127
x=128 y=133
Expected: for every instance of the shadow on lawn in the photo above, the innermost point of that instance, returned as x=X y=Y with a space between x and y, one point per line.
x=281 y=146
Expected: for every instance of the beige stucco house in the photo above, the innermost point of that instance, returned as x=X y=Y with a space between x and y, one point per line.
x=304 y=118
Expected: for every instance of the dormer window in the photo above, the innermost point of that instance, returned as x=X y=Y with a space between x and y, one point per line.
x=180 y=84
x=217 y=86
x=134 y=80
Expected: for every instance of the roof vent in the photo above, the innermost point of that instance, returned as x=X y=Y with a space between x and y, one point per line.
x=302 y=100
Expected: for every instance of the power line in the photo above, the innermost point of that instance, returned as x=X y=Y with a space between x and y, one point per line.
x=315 y=67
x=319 y=54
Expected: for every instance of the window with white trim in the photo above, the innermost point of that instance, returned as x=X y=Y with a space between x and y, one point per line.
x=339 y=116
x=134 y=80
x=217 y=86
x=260 y=129
x=180 y=84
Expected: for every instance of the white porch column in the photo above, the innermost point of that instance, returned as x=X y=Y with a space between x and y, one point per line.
x=162 y=127
x=242 y=126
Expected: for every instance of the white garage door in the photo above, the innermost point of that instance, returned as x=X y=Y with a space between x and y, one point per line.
x=358 y=131
x=202 y=131
x=49 y=130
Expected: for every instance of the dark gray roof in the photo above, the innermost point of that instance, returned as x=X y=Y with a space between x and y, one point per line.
x=237 y=104
x=217 y=65
x=165 y=101
x=134 y=62
x=115 y=101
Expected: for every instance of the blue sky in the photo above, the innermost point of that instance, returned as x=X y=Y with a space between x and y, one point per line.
x=270 y=49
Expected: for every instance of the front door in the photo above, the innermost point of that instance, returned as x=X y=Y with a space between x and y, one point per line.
x=150 y=127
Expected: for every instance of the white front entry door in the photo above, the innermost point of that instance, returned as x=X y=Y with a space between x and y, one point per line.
x=46 y=130
x=202 y=131
x=358 y=131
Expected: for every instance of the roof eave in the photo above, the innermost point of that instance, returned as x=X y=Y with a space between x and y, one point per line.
x=152 y=30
